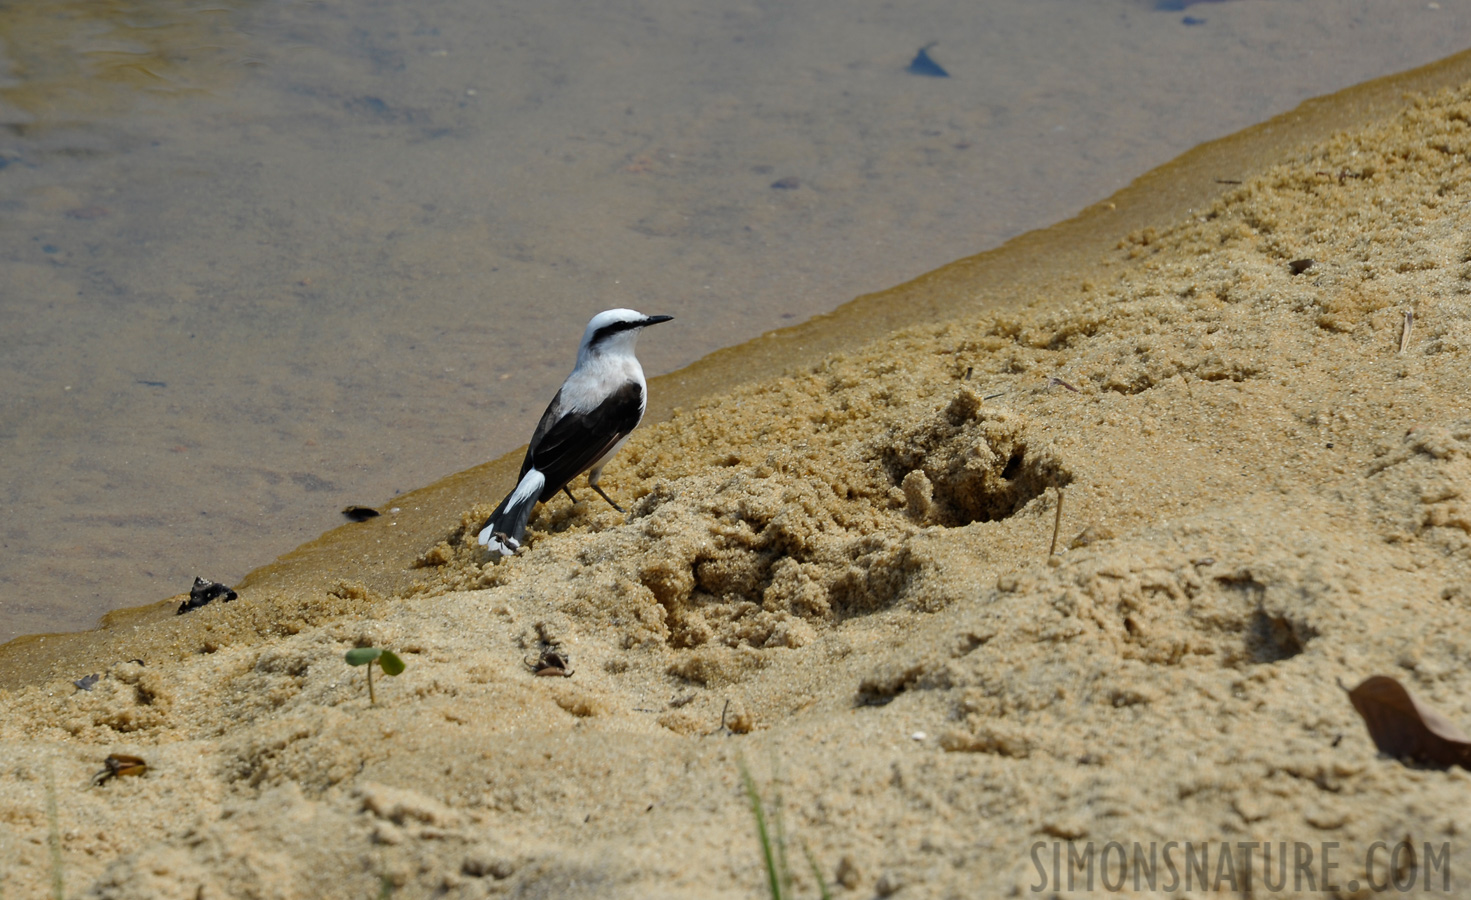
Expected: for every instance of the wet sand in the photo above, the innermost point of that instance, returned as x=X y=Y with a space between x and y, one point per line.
x=841 y=575
x=259 y=261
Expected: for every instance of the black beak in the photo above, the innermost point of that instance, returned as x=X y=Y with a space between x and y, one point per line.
x=655 y=320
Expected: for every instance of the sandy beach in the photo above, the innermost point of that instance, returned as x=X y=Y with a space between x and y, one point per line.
x=1255 y=415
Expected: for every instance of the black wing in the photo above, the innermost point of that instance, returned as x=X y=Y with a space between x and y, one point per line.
x=564 y=446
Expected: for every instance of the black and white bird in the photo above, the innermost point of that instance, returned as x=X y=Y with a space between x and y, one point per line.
x=589 y=420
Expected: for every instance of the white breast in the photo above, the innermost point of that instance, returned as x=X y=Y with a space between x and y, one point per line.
x=597 y=377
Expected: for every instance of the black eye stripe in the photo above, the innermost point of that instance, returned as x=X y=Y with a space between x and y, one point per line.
x=609 y=330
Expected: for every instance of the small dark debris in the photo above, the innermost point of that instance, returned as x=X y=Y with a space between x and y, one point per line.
x=1299 y=266
x=360 y=513
x=1179 y=5
x=922 y=64
x=1228 y=181
x=1329 y=445
x=789 y=183
x=119 y=765
x=86 y=682
x=204 y=593
x=1192 y=20
x=1060 y=383
x=551 y=664
x=50 y=248
x=147 y=383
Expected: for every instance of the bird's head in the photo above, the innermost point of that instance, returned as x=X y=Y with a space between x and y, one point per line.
x=615 y=331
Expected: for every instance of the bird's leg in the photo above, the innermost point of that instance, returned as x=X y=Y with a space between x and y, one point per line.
x=595 y=487
x=592 y=482
x=569 y=493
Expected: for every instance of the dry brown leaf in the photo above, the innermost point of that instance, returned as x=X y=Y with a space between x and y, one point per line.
x=1406 y=729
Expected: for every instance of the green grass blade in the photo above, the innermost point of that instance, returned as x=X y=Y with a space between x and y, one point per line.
x=773 y=876
x=779 y=826
x=822 y=887
x=53 y=821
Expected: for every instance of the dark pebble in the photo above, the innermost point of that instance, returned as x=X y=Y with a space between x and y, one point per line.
x=204 y=593
x=361 y=513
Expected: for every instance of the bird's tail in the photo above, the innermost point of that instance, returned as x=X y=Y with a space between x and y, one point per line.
x=506 y=526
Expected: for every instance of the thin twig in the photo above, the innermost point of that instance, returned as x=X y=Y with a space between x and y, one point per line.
x=1404 y=335
x=1056 y=524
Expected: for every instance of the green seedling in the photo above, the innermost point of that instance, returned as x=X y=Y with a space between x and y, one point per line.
x=387 y=660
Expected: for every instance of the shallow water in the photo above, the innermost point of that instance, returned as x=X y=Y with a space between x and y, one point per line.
x=263 y=260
